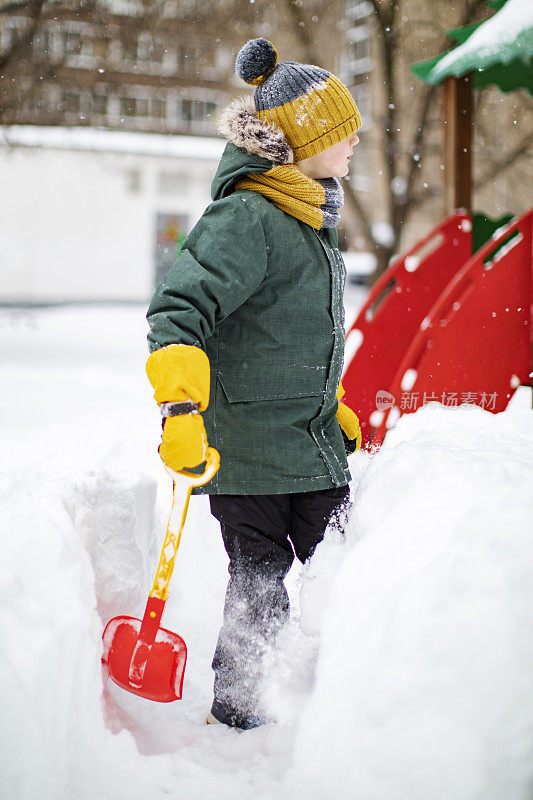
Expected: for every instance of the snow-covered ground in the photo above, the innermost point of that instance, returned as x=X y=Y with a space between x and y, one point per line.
x=406 y=674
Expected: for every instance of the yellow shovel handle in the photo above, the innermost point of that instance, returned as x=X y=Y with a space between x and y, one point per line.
x=172 y=540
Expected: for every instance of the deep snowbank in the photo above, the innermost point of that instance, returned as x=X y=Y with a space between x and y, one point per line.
x=421 y=618
x=54 y=741
x=425 y=677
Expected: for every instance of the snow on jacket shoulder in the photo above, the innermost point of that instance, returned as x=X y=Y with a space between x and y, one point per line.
x=261 y=293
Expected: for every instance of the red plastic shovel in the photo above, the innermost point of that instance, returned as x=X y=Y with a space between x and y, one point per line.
x=140 y=656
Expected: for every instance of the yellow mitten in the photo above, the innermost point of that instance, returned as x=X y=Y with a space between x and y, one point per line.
x=184 y=441
x=179 y=373
x=349 y=424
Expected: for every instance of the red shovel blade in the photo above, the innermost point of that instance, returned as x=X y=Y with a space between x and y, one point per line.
x=163 y=662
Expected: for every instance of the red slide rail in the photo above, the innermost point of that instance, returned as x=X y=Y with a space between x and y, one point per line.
x=473 y=345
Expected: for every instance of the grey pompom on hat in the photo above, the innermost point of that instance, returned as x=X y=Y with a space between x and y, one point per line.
x=256 y=60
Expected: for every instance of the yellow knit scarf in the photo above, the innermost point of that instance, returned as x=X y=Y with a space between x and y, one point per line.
x=313 y=202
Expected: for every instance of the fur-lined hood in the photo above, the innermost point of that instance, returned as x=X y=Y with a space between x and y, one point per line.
x=254 y=147
x=239 y=124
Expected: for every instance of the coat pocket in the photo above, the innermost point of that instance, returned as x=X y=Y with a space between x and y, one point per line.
x=283 y=384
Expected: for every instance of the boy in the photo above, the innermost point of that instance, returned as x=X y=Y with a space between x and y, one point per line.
x=247 y=329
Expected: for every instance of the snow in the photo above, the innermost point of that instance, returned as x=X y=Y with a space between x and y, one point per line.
x=383 y=233
x=407 y=669
x=408 y=379
x=95 y=139
x=497 y=39
x=427 y=630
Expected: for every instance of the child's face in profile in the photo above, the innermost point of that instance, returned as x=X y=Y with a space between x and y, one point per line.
x=331 y=163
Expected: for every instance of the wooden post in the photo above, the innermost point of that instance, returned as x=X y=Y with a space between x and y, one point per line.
x=457 y=120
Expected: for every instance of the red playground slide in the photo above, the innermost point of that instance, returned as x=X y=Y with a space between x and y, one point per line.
x=444 y=325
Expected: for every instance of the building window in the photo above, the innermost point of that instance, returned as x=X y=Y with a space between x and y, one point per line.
x=129 y=50
x=128 y=106
x=187 y=58
x=159 y=108
x=143 y=107
x=71 y=102
x=42 y=42
x=154 y=51
x=357 y=51
x=357 y=9
x=360 y=49
x=134 y=107
x=144 y=51
x=71 y=43
x=185 y=111
x=99 y=105
x=172 y=182
x=196 y=114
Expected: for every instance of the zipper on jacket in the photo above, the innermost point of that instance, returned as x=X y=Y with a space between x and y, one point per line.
x=335 y=467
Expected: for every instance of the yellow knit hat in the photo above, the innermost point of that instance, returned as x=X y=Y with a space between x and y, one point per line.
x=311 y=106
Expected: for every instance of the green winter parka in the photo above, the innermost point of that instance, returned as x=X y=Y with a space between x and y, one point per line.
x=262 y=294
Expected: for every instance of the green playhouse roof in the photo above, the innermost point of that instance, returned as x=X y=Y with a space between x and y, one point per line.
x=497 y=51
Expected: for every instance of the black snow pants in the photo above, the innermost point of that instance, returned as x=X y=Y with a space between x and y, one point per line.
x=261 y=534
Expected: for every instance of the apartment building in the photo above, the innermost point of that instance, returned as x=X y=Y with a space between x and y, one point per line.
x=127 y=70
x=120 y=71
